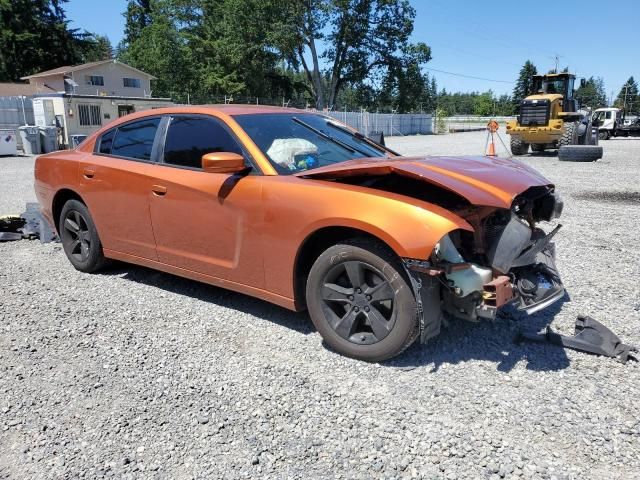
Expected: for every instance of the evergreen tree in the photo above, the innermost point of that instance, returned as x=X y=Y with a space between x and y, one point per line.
x=524 y=84
x=592 y=94
x=137 y=17
x=35 y=36
x=628 y=97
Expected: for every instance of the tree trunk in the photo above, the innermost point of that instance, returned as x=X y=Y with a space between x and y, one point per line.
x=316 y=75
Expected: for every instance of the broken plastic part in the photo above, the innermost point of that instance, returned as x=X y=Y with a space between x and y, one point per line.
x=590 y=336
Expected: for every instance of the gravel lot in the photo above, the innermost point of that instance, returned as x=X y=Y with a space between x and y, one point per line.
x=138 y=374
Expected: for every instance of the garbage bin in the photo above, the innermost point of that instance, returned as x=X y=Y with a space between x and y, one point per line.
x=30 y=137
x=77 y=140
x=48 y=139
x=8 y=142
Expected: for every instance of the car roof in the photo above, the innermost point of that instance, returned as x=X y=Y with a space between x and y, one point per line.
x=229 y=109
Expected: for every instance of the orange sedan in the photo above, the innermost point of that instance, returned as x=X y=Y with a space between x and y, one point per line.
x=302 y=211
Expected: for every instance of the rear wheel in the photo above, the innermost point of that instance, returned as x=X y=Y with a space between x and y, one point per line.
x=518 y=147
x=79 y=237
x=360 y=301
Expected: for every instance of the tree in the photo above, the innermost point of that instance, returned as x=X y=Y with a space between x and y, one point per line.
x=484 y=104
x=161 y=51
x=95 y=48
x=524 y=84
x=35 y=36
x=355 y=39
x=137 y=17
x=628 y=97
x=591 y=93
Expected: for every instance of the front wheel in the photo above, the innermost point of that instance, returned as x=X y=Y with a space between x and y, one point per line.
x=360 y=301
x=518 y=147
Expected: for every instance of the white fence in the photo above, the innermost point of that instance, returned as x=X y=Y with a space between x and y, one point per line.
x=389 y=124
x=15 y=112
x=461 y=123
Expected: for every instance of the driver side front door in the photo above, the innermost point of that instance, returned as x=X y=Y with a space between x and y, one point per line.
x=204 y=222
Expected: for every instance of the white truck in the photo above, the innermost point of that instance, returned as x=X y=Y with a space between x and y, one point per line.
x=613 y=122
x=607 y=120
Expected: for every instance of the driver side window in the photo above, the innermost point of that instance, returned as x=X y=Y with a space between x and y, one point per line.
x=190 y=137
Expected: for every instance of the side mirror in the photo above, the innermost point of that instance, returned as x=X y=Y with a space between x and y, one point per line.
x=222 y=162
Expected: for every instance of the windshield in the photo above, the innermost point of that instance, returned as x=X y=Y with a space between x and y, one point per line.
x=302 y=141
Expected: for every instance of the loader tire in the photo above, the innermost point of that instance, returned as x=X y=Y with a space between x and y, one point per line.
x=579 y=153
x=518 y=147
x=570 y=134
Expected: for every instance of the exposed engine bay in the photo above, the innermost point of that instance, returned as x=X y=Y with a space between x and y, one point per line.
x=507 y=259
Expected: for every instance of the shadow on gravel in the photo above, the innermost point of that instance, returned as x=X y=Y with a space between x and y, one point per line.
x=216 y=296
x=460 y=342
x=490 y=341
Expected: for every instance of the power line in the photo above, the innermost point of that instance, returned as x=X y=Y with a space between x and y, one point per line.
x=468 y=76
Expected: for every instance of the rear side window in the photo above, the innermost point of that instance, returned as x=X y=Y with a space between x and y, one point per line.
x=189 y=138
x=135 y=139
x=106 y=141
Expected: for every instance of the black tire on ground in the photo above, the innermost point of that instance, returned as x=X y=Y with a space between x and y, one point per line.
x=79 y=237
x=604 y=134
x=518 y=147
x=360 y=300
x=579 y=153
x=537 y=147
x=570 y=134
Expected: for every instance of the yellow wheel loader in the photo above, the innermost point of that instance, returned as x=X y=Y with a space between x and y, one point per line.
x=549 y=119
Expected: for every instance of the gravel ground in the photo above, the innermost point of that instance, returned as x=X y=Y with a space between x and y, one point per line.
x=137 y=374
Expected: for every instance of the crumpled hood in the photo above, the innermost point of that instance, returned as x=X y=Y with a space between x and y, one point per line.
x=488 y=181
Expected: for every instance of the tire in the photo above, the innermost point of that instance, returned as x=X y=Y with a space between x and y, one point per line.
x=579 y=153
x=79 y=237
x=518 y=147
x=604 y=134
x=372 y=327
x=570 y=134
x=537 y=147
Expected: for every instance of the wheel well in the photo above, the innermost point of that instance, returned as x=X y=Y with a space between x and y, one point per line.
x=313 y=246
x=62 y=197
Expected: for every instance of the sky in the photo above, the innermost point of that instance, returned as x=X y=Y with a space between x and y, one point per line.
x=489 y=40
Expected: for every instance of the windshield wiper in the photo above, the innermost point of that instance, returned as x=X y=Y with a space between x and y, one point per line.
x=326 y=136
x=361 y=137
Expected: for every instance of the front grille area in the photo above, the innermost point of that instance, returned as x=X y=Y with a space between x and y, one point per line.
x=534 y=113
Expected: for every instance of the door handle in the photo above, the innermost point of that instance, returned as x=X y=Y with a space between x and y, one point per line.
x=159 y=190
x=88 y=172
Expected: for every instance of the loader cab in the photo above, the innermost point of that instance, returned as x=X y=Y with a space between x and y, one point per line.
x=557 y=83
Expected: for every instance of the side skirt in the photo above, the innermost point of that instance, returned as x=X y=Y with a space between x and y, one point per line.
x=285 y=302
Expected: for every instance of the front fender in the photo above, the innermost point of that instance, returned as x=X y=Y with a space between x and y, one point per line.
x=296 y=208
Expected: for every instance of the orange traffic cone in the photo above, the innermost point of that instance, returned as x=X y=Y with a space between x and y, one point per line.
x=492 y=149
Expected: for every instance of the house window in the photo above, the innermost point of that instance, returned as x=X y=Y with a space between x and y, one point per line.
x=131 y=82
x=97 y=80
x=89 y=115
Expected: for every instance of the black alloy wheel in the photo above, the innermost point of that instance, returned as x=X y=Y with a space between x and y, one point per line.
x=76 y=236
x=360 y=299
x=358 y=302
x=79 y=237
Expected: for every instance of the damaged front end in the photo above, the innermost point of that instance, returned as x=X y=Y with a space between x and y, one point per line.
x=507 y=259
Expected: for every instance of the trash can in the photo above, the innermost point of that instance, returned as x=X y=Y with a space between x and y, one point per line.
x=48 y=139
x=77 y=140
x=8 y=142
x=30 y=137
